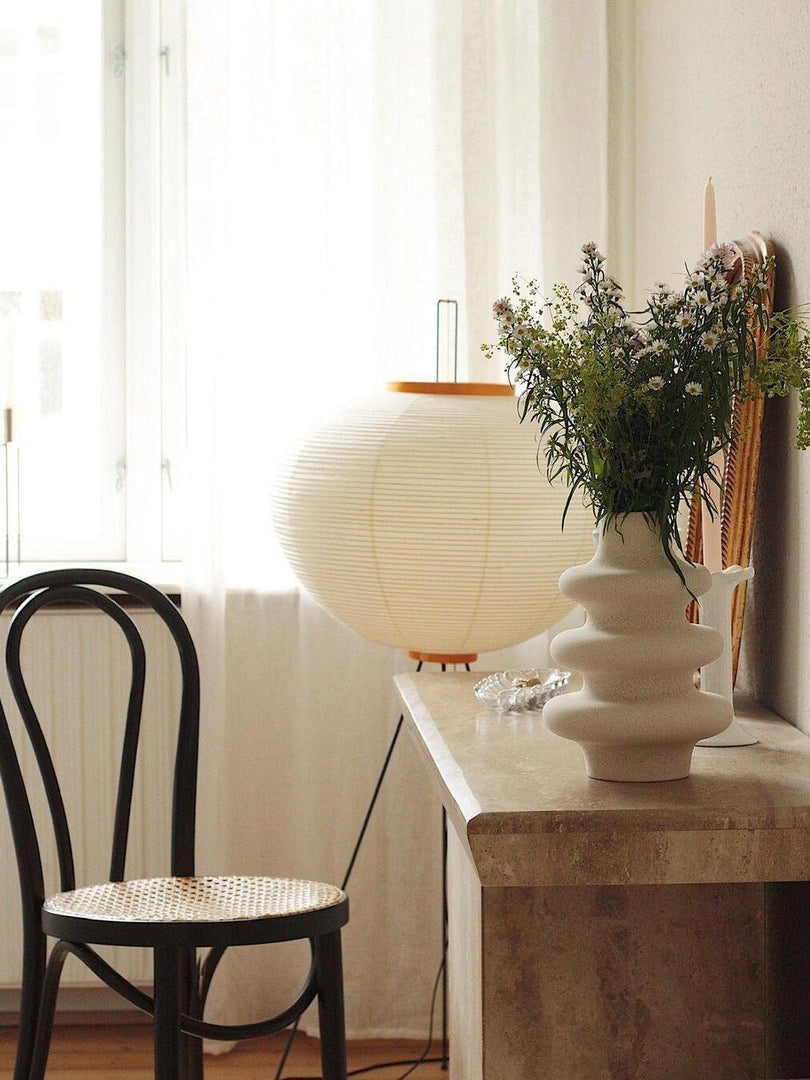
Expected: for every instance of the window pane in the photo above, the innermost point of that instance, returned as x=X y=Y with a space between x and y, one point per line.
x=60 y=362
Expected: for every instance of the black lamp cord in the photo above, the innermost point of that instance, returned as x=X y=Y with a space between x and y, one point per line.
x=423 y=1058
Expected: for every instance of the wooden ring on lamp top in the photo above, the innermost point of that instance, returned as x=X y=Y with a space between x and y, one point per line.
x=468 y=389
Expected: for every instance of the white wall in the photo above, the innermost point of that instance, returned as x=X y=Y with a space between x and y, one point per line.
x=723 y=89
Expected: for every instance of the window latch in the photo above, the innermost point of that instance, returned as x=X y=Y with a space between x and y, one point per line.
x=164 y=52
x=166 y=465
x=119 y=61
x=120 y=474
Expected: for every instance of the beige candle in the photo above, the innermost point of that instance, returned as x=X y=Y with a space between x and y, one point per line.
x=712 y=541
x=709 y=216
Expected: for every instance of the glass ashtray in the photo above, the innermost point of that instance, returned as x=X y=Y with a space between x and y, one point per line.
x=521 y=691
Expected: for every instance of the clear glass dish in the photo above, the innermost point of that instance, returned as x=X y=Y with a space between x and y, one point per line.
x=521 y=691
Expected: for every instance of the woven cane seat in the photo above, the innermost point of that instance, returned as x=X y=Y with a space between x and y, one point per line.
x=195 y=899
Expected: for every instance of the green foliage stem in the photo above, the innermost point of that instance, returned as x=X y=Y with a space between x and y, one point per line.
x=632 y=406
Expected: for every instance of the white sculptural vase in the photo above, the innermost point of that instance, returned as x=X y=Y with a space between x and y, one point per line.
x=718 y=677
x=638 y=715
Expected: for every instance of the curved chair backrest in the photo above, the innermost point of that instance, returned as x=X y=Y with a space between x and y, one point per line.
x=82 y=586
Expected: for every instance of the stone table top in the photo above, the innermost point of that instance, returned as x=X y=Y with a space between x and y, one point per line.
x=520 y=800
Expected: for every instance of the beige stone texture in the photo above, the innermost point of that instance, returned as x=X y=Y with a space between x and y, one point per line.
x=609 y=931
x=624 y=983
x=519 y=797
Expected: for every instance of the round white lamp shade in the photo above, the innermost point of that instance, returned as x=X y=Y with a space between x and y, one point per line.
x=420 y=518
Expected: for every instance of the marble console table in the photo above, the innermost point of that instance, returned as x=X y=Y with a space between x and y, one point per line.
x=603 y=931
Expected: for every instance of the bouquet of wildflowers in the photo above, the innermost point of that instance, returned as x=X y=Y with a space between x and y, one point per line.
x=634 y=404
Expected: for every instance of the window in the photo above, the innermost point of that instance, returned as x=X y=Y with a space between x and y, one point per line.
x=91 y=358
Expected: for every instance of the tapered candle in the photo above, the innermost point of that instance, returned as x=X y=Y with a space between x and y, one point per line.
x=709 y=216
x=712 y=537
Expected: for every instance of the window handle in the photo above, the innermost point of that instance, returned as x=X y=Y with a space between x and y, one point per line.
x=164 y=52
x=119 y=61
x=120 y=474
x=166 y=465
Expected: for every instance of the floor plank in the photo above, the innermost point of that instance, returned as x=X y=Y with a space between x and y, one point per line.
x=125 y=1053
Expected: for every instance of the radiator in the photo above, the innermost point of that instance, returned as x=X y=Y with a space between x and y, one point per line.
x=77 y=667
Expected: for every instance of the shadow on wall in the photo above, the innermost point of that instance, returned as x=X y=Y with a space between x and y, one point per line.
x=771 y=646
x=771 y=643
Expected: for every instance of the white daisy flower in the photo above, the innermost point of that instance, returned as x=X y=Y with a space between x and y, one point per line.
x=656 y=382
x=711 y=339
x=702 y=298
x=695 y=389
x=685 y=320
x=728 y=253
x=500 y=307
x=657 y=347
x=613 y=287
x=720 y=283
x=674 y=299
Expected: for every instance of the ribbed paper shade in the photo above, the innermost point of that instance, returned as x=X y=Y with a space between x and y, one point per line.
x=423 y=521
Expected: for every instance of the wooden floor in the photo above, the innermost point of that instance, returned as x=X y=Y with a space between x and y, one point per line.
x=125 y=1053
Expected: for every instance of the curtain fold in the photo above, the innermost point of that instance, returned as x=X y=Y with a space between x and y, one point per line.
x=349 y=162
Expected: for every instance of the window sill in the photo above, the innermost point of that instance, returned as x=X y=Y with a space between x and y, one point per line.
x=166 y=576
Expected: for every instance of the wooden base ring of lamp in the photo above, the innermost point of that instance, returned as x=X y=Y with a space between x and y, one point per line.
x=455 y=389
x=443 y=658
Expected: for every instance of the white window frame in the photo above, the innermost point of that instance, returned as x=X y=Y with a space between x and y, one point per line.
x=144 y=108
x=155 y=244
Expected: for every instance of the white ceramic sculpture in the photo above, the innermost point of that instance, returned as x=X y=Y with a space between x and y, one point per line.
x=718 y=677
x=638 y=715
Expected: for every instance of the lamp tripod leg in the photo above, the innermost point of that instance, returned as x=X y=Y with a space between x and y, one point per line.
x=356 y=852
x=444 y=941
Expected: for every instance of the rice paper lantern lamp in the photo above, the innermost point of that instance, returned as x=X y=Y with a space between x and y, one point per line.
x=420 y=518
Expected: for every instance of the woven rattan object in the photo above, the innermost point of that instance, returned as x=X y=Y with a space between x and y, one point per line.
x=195 y=899
x=741 y=471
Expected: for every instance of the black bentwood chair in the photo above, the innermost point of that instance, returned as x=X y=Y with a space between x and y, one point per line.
x=175 y=916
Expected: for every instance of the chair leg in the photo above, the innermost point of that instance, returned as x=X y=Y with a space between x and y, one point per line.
x=47 y=1009
x=33 y=977
x=196 y=1067
x=191 y=1056
x=329 y=973
x=167 y=1014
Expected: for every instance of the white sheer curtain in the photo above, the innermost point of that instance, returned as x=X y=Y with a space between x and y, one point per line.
x=349 y=162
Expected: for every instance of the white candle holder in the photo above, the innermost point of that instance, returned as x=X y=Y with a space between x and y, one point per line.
x=718 y=677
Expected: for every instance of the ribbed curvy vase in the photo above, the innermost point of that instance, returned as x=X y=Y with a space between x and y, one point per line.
x=638 y=715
